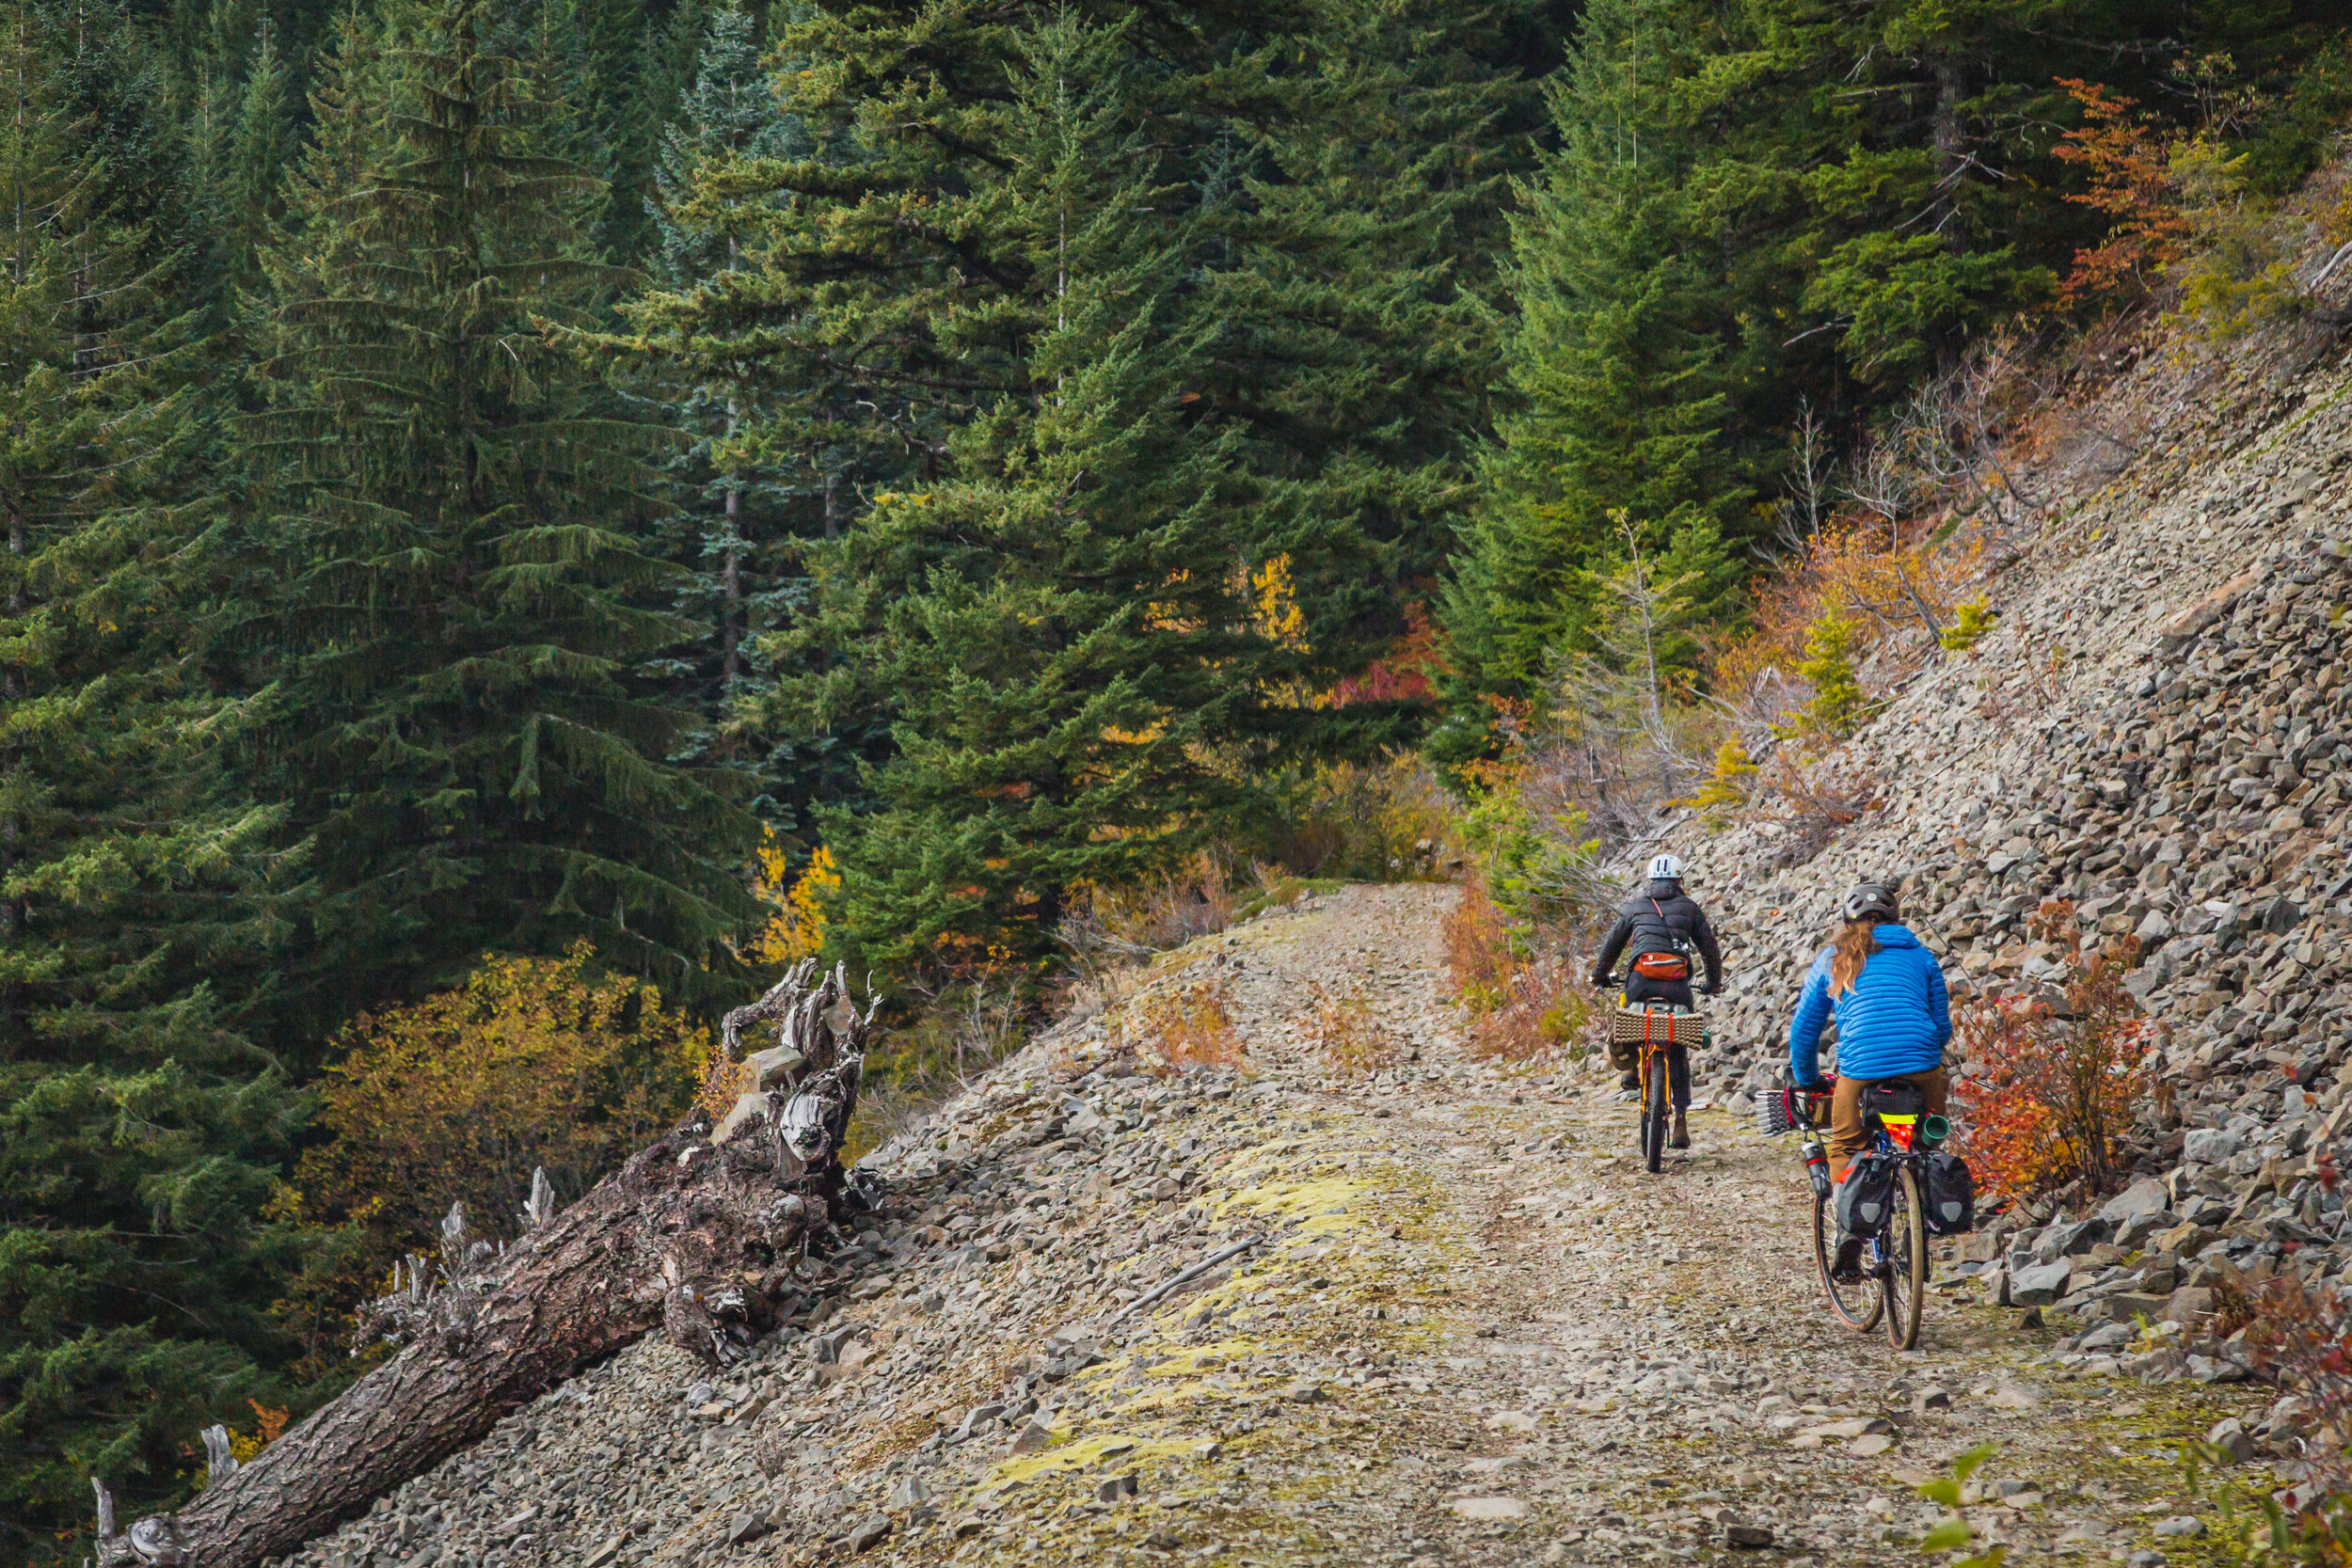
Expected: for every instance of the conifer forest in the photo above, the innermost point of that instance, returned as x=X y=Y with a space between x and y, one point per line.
x=524 y=517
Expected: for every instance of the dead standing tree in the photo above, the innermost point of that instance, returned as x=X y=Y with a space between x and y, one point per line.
x=699 y=1235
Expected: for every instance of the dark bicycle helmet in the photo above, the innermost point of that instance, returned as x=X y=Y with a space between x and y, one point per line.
x=1873 y=898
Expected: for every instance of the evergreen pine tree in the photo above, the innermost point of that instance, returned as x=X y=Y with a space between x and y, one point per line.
x=1920 y=127
x=467 y=594
x=1348 y=227
x=1619 y=395
x=611 y=34
x=261 y=153
x=1323 y=173
x=1060 y=619
x=140 y=1128
x=734 y=533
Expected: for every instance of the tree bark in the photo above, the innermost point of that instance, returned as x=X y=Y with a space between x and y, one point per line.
x=697 y=1240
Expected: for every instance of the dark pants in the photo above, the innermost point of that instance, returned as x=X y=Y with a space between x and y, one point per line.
x=1676 y=993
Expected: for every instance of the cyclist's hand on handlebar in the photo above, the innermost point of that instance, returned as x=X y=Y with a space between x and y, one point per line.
x=1604 y=981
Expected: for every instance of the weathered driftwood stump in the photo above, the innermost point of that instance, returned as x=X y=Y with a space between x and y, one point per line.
x=696 y=1237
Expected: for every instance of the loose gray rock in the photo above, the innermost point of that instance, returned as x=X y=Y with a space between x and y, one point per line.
x=2039 y=1285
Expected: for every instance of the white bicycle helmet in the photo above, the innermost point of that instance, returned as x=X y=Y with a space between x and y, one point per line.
x=1665 y=868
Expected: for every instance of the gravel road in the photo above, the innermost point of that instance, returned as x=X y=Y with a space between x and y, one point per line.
x=1525 y=1348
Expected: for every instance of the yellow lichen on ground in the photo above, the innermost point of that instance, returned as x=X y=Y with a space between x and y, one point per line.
x=1066 y=1456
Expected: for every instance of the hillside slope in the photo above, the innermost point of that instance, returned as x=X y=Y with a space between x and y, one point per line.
x=1470 y=1329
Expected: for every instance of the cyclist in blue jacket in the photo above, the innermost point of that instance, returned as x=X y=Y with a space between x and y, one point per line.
x=1894 y=1019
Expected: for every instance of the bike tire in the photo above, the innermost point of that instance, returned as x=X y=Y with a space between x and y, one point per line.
x=1906 y=1245
x=1657 y=1099
x=1846 y=1301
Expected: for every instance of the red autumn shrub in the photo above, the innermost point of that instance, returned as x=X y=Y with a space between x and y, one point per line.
x=2049 y=1090
x=1525 y=992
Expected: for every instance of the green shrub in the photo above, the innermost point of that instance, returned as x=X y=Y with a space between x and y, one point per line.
x=1724 y=789
x=1972 y=621
x=1839 y=705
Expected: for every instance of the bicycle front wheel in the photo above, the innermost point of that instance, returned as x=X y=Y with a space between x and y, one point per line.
x=1857 y=1303
x=1906 y=1246
x=1656 y=1101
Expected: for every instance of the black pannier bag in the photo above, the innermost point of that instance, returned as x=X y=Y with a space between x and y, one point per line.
x=1951 y=1195
x=1867 y=1197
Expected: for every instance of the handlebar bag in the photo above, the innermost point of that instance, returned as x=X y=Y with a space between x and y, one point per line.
x=1951 y=1195
x=1867 y=1197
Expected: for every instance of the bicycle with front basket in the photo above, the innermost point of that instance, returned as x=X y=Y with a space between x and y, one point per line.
x=1892 y=1282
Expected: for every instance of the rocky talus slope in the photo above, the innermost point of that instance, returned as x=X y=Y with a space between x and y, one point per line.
x=2160 y=731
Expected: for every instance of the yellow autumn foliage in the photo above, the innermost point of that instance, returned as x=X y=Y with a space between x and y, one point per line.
x=796 y=929
x=532 y=1063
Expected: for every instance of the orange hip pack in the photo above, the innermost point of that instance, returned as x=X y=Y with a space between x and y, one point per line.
x=1662 y=966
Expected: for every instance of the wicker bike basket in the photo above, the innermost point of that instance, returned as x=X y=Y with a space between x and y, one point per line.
x=1631 y=1028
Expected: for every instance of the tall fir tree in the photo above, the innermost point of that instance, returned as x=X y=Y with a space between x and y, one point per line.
x=1618 y=383
x=260 y=155
x=734 y=531
x=1928 y=115
x=1059 y=619
x=1348 y=229
x=1322 y=170
x=466 y=596
x=141 y=1130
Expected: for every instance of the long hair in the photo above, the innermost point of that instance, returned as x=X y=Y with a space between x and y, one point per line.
x=1855 y=943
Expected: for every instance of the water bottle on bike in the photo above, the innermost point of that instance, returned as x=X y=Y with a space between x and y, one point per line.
x=1884 y=1112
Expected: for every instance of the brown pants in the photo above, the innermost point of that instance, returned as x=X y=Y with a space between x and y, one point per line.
x=1848 y=1137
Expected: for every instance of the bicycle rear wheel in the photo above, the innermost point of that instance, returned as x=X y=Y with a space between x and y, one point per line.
x=1849 y=1298
x=1656 y=1101
x=1906 y=1245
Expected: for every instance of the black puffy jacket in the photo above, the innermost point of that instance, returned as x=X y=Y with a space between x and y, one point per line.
x=1649 y=922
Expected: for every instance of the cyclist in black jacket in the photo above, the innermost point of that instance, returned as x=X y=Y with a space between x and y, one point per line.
x=1658 y=931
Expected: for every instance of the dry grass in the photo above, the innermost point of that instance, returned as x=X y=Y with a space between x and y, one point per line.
x=1479 y=957
x=965 y=1030
x=1110 y=928
x=1341 y=1025
x=1185 y=1026
x=1525 y=993
x=1550 y=1012
x=1812 y=801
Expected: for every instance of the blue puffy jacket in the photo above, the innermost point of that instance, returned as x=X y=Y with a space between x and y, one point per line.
x=1896 y=1018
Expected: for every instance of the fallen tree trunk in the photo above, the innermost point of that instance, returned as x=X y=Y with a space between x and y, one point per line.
x=698 y=1239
